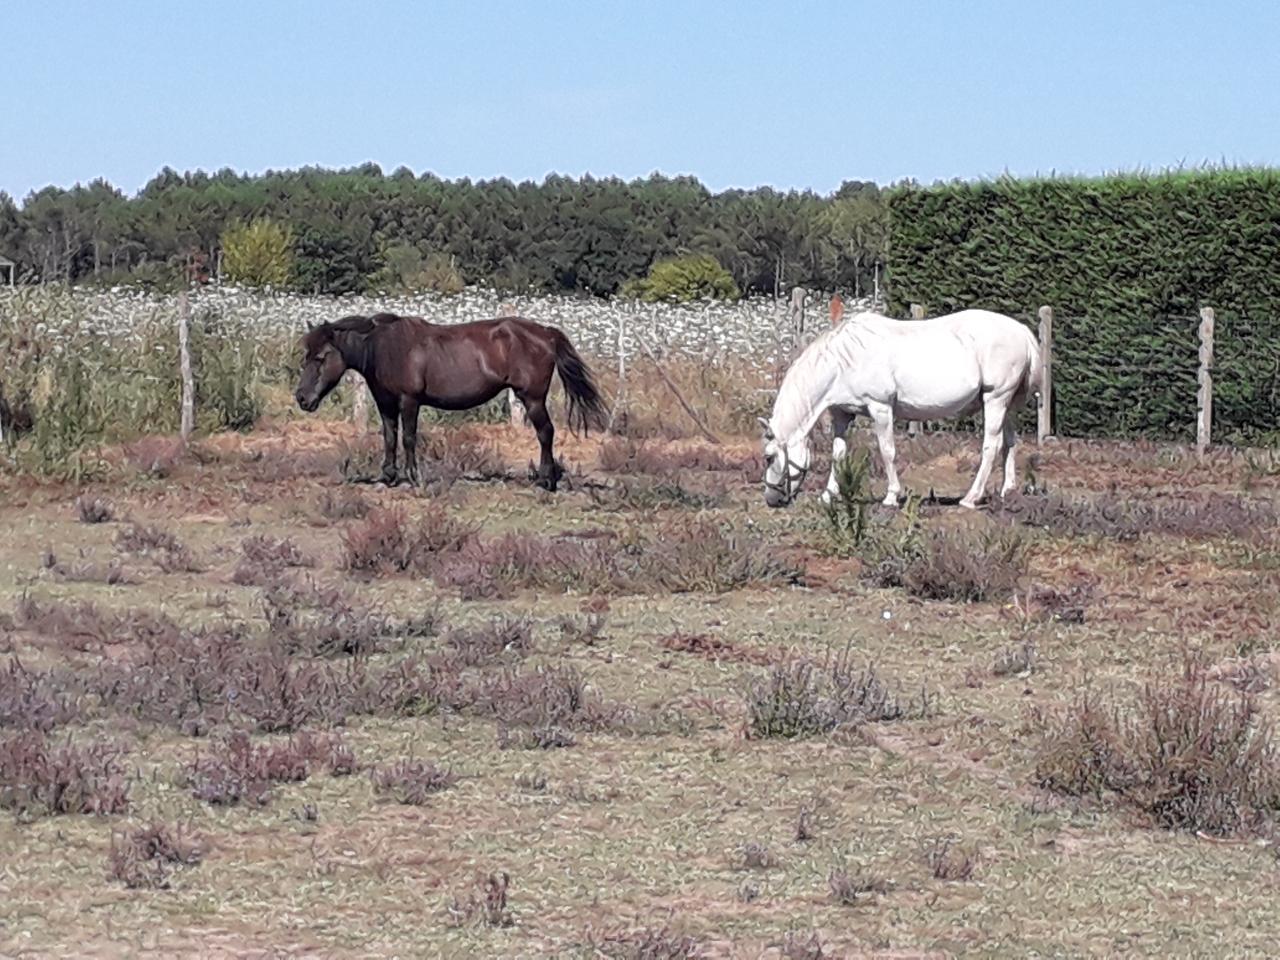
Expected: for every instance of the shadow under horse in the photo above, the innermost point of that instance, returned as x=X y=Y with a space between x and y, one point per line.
x=408 y=362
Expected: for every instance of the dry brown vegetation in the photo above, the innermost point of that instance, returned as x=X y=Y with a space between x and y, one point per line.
x=245 y=706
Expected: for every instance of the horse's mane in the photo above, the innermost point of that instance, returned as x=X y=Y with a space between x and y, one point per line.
x=360 y=324
x=794 y=404
x=354 y=332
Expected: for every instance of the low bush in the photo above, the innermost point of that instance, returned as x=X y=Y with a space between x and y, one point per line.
x=94 y=509
x=318 y=622
x=500 y=639
x=87 y=570
x=236 y=771
x=164 y=549
x=84 y=625
x=144 y=859
x=1191 y=754
x=37 y=699
x=801 y=698
x=960 y=564
x=38 y=778
x=949 y=860
x=387 y=541
x=854 y=889
x=411 y=782
x=486 y=904
x=545 y=698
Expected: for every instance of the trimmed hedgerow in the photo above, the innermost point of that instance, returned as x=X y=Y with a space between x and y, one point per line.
x=1126 y=262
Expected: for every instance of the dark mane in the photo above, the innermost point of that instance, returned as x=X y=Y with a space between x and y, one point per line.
x=356 y=324
x=361 y=325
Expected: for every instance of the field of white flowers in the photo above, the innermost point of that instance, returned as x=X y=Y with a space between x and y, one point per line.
x=753 y=329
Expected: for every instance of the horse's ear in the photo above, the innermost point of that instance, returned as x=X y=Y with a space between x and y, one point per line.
x=310 y=326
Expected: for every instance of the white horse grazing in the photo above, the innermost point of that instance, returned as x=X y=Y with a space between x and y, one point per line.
x=949 y=366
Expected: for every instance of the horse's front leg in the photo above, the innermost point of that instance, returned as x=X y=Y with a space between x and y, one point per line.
x=882 y=422
x=409 y=430
x=840 y=421
x=389 y=412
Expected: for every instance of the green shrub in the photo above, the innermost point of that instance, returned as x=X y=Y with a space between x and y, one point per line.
x=848 y=513
x=684 y=279
x=405 y=269
x=258 y=254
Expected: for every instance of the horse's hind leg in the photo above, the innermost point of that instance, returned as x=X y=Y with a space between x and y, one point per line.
x=882 y=421
x=1010 y=467
x=536 y=410
x=994 y=411
x=840 y=420
x=409 y=430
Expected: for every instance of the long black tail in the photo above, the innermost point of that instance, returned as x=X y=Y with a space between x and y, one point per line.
x=586 y=406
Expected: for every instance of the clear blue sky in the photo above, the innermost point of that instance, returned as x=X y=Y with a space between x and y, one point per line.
x=738 y=94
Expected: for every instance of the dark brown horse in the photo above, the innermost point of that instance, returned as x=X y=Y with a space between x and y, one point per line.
x=408 y=362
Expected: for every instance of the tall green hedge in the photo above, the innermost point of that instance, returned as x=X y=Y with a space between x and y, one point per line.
x=1126 y=262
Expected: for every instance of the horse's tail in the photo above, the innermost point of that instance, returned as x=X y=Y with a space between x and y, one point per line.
x=1033 y=385
x=586 y=406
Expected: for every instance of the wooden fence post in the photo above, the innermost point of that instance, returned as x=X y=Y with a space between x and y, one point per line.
x=184 y=360
x=917 y=313
x=1044 y=417
x=620 y=396
x=796 y=316
x=1204 y=395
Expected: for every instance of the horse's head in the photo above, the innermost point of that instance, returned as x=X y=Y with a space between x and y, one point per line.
x=322 y=367
x=785 y=465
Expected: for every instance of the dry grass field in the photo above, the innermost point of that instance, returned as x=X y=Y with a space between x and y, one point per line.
x=249 y=709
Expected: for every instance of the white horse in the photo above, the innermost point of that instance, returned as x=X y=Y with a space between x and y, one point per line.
x=949 y=366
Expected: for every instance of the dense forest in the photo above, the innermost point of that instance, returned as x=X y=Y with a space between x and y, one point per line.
x=358 y=229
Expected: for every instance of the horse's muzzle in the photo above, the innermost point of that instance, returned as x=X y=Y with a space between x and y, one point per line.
x=776 y=498
x=306 y=404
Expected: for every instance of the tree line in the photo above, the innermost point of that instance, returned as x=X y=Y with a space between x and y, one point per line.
x=361 y=229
